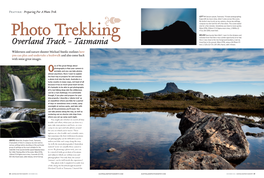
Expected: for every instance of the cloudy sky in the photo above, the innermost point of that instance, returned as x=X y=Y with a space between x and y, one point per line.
x=157 y=19
x=217 y=72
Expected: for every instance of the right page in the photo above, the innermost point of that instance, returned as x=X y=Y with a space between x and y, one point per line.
x=189 y=97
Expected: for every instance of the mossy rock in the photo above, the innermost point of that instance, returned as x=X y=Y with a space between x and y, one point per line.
x=20 y=129
x=36 y=112
x=5 y=133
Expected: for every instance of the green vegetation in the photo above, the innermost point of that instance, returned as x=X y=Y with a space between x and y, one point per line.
x=176 y=96
x=6 y=93
x=181 y=105
x=33 y=78
x=246 y=102
x=121 y=93
x=180 y=101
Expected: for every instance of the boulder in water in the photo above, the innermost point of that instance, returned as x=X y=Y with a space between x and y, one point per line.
x=111 y=150
x=221 y=135
x=189 y=117
x=218 y=135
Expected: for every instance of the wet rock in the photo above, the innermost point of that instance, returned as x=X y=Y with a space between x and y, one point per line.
x=249 y=122
x=179 y=114
x=255 y=134
x=221 y=135
x=198 y=160
x=111 y=150
x=6 y=114
x=189 y=117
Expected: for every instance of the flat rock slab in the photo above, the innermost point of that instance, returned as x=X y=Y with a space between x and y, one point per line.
x=198 y=160
x=221 y=135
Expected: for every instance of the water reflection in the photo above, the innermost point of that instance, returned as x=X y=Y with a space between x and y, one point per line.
x=255 y=160
x=142 y=141
x=24 y=104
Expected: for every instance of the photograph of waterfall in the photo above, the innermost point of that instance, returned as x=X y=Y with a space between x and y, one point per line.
x=22 y=101
x=18 y=88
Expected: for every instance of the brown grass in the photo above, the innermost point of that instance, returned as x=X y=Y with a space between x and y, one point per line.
x=173 y=104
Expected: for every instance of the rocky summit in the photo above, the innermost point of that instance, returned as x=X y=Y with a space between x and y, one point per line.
x=170 y=87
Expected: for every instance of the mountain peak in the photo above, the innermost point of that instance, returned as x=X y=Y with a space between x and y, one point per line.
x=178 y=33
x=170 y=87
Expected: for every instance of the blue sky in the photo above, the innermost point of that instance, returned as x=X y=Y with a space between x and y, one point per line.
x=218 y=72
x=157 y=19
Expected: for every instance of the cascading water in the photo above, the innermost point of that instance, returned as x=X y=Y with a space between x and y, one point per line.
x=12 y=115
x=19 y=116
x=15 y=113
x=18 y=88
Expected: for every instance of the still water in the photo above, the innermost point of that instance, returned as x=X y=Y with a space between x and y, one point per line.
x=24 y=104
x=142 y=141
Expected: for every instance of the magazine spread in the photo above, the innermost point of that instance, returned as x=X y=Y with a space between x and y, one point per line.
x=132 y=88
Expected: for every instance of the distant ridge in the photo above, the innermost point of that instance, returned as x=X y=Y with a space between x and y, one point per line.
x=179 y=33
x=170 y=87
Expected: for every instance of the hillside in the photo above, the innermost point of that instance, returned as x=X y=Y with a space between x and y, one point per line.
x=179 y=33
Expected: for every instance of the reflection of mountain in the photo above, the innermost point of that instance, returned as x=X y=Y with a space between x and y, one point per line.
x=179 y=33
x=170 y=87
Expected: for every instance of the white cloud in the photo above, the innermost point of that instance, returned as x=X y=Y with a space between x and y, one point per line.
x=199 y=65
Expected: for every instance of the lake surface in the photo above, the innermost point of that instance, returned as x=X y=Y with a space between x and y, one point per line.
x=143 y=139
x=24 y=104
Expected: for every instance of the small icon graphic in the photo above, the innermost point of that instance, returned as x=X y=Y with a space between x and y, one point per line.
x=112 y=20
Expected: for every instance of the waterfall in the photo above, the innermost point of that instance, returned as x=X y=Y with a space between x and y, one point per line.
x=14 y=115
x=18 y=88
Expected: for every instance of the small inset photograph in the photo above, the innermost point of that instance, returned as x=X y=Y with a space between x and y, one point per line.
x=169 y=26
x=22 y=106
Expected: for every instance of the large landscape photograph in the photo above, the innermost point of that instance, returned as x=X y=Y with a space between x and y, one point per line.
x=176 y=109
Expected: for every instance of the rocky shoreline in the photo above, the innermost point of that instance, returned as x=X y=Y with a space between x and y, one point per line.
x=22 y=122
x=209 y=141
